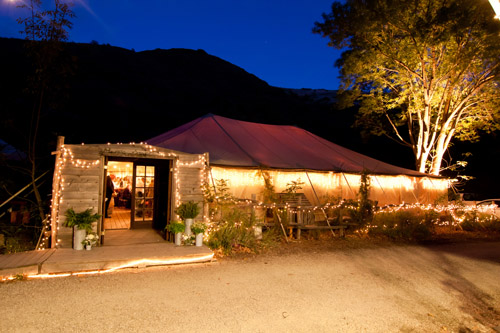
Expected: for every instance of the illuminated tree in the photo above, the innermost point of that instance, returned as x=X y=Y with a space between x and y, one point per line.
x=423 y=72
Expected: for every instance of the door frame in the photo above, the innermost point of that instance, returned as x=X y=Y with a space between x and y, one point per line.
x=158 y=163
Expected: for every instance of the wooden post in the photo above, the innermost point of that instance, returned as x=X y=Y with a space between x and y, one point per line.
x=56 y=186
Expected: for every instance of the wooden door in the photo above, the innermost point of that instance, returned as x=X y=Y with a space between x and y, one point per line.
x=162 y=197
x=143 y=195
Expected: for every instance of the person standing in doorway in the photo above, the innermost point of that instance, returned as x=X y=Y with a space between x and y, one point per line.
x=110 y=189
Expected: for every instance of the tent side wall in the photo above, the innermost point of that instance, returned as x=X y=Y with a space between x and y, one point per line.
x=322 y=187
x=80 y=172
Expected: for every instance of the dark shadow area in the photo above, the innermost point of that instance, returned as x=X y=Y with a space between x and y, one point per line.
x=475 y=302
x=487 y=250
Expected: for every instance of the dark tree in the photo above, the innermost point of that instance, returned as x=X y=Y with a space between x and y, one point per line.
x=44 y=31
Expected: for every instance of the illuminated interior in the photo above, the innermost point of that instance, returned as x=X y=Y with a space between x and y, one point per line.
x=133 y=196
x=322 y=187
x=120 y=206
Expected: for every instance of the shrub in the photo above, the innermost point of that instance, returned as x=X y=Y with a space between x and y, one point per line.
x=82 y=220
x=478 y=221
x=236 y=230
x=360 y=211
x=175 y=227
x=404 y=224
x=188 y=210
x=198 y=227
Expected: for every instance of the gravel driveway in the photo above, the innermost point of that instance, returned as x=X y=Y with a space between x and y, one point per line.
x=329 y=288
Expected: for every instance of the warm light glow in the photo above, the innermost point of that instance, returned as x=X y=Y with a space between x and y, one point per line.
x=435 y=184
x=135 y=263
x=320 y=186
x=394 y=182
x=496 y=7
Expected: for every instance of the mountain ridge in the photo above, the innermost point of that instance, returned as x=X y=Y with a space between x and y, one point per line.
x=119 y=95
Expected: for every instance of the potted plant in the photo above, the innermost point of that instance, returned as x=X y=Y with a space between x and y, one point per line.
x=198 y=229
x=81 y=224
x=177 y=228
x=188 y=211
x=90 y=240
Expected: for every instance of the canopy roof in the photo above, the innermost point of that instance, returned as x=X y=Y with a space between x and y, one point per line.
x=238 y=143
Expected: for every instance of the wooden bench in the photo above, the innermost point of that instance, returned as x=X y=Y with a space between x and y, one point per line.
x=300 y=227
x=340 y=228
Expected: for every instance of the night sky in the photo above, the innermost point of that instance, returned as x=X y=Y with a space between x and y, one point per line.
x=271 y=39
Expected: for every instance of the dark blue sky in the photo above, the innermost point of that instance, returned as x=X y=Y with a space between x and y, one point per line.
x=269 y=38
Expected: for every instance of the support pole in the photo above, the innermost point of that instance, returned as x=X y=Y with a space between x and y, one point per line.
x=317 y=198
x=56 y=187
x=282 y=227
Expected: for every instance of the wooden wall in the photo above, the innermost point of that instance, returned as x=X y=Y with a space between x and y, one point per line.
x=81 y=169
x=191 y=173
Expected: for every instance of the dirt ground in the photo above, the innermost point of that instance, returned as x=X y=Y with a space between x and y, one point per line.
x=340 y=285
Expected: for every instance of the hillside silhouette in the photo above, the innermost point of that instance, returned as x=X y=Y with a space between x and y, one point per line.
x=119 y=95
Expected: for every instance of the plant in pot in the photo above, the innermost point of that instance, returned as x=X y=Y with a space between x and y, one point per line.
x=188 y=211
x=176 y=228
x=90 y=240
x=81 y=224
x=198 y=229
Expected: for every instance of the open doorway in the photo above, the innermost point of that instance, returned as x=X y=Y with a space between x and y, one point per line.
x=138 y=194
x=118 y=201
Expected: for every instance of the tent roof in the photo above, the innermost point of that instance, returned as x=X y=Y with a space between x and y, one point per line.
x=237 y=143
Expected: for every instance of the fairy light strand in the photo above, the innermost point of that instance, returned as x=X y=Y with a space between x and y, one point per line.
x=66 y=156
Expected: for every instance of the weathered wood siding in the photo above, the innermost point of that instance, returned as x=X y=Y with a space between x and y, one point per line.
x=82 y=178
x=80 y=185
x=191 y=173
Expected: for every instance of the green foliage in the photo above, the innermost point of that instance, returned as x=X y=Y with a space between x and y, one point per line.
x=223 y=196
x=423 y=72
x=208 y=192
x=292 y=188
x=269 y=194
x=360 y=211
x=236 y=231
x=82 y=220
x=16 y=244
x=404 y=225
x=175 y=227
x=365 y=208
x=218 y=194
x=218 y=197
x=19 y=237
x=478 y=221
x=188 y=210
x=90 y=239
x=198 y=227
x=20 y=277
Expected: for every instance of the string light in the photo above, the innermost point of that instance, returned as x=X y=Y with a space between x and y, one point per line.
x=385 y=189
x=131 y=264
x=246 y=182
x=66 y=156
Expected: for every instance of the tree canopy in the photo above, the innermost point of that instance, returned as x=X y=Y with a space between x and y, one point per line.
x=423 y=72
